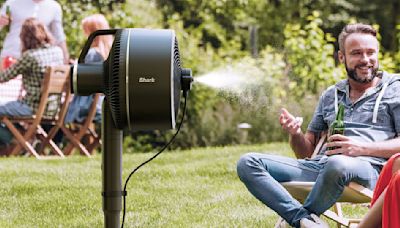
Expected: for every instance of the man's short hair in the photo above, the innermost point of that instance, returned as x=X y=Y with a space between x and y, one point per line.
x=354 y=28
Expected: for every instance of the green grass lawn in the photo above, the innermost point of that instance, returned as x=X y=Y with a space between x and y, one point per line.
x=194 y=188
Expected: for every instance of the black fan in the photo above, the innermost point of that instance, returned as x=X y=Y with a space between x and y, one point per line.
x=142 y=81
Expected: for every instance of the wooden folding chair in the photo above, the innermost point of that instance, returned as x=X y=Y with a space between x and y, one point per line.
x=55 y=81
x=61 y=82
x=353 y=193
x=75 y=132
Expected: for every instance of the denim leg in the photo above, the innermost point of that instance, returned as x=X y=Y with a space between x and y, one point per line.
x=261 y=173
x=13 y=108
x=339 y=171
x=5 y=135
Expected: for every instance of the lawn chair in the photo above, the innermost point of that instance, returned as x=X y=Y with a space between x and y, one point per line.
x=55 y=81
x=60 y=82
x=353 y=193
x=75 y=132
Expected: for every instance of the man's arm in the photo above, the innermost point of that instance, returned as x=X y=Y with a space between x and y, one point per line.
x=302 y=144
x=63 y=46
x=20 y=67
x=57 y=30
x=347 y=146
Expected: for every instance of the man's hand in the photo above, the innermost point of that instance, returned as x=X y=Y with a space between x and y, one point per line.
x=289 y=123
x=346 y=146
x=301 y=144
x=4 y=20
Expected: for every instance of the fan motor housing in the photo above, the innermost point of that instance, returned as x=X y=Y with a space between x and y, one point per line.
x=153 y=84
x=141 y=78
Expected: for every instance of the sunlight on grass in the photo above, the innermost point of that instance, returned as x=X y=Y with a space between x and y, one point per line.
x=193 y=188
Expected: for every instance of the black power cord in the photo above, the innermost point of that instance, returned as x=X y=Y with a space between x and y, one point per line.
x=150 y=159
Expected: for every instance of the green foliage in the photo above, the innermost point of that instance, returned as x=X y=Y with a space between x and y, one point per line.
x=296 y=57
x=214 y=19
x=309 y=53
x=395 y=57
x=141 y=143
x=219 y=18
x=74 y=11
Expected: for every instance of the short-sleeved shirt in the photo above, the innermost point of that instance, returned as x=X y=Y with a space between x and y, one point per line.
x=358 y=116
x=32 y=65
x=46 y=11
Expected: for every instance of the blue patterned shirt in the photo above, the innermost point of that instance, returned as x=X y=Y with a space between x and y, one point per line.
x=359 y=124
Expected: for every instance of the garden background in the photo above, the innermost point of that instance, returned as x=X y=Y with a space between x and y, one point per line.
x=285 y=50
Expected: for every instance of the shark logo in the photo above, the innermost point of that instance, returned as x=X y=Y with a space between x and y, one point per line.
x=147 y=80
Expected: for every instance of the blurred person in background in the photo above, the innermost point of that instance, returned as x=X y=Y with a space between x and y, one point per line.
x=97 y=53
x=38 y=52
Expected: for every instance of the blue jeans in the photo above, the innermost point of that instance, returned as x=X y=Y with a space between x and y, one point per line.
x=261 y=173
x=12 y=108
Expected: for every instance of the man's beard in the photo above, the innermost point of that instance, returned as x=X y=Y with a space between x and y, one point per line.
x=352 y=73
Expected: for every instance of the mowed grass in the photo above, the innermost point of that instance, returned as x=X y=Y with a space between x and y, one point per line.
x=193 y=188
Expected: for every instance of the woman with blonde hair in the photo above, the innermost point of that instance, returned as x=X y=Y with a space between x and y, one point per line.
x=97 y=53
x=101 y=44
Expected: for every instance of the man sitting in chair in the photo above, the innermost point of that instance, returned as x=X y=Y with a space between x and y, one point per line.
x=372 y=123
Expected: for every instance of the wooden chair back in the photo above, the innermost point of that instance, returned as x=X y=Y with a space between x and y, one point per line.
x=55 y=81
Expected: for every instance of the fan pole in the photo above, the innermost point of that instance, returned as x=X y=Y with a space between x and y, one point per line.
x=111 y=169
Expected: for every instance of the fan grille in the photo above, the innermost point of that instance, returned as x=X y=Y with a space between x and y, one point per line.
x=177 y=77
x=112 y=87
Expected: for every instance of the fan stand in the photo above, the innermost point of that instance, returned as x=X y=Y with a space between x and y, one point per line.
x=111 y=169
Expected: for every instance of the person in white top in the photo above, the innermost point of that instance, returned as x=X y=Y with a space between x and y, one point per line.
x=46 y=11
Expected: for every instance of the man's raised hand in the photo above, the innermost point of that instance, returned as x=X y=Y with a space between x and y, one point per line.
x=290 y=123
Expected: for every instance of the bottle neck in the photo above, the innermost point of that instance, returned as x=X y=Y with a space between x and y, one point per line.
x=340 y=115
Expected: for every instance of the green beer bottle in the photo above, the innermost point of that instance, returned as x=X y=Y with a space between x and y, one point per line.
x=8 y=14
x=337 y=126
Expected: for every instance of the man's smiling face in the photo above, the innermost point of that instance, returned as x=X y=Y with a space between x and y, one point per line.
x=360 y=57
